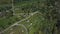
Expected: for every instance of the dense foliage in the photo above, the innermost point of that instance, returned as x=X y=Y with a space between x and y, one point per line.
x=49 y=14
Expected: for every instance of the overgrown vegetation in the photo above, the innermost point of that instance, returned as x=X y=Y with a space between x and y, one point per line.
x=48 y=19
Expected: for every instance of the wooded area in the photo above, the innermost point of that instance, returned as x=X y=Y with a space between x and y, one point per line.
x=49 y=9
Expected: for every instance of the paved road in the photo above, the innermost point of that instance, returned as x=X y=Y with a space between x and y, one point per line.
x=19 y=22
